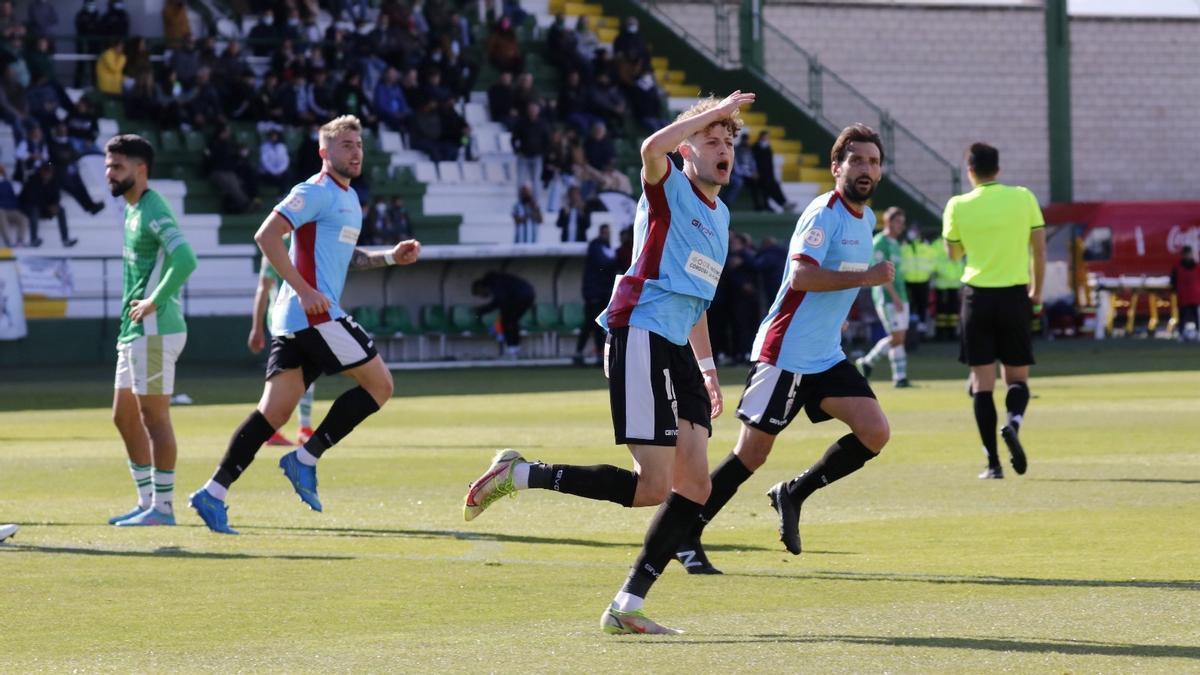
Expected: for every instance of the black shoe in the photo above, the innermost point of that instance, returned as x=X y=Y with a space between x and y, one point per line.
x=96 y=208
x=69 y=243
x=789 y=517
x=1015 y=451
x=903 y=384
x=34 y=243
x=691 y=555
x=992 y=473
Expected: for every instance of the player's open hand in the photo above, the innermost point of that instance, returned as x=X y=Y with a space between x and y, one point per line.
x=406 y=252
x=732 y=102
x=881 y=274
x=714 y=393
x=140 y=309
x=313 y=301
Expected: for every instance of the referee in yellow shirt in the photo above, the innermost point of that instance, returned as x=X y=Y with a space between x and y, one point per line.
x=996 y=226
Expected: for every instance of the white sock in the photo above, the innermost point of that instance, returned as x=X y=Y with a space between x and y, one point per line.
x=164 y=490
x=215 y=489
x=899 y=359
x=627 y=602
x=306 y=458
x=142 y=480
x=306 y=402
x=521 y=476
x=880 y=347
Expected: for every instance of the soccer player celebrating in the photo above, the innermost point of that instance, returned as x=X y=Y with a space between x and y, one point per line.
x=663 y=394
x=158 y=260
x=798 y=355
x=311 y=333
x=891 y=302
x=996 y=226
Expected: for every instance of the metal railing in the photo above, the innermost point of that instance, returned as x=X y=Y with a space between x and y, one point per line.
x=825 y=96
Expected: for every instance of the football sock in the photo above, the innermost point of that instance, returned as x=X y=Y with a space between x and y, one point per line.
x=985 y=419
x=898 y=356
x=726 y=479
x=305 y=457
x=215 y=489
x=671 y=523
x=521 y=475
x=164 y=490
x=627 y=602
x=843 y=458
x=1015 y=402
x=141 y=480
x=246 y=440
x=306 y=402
x=601 y=481
x=880 y=347
x=352 y=407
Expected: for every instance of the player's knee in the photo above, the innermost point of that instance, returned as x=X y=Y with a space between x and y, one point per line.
x=875 y=434
x=653 y=490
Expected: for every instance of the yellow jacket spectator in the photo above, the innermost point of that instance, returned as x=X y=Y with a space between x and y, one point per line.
x=110 y=69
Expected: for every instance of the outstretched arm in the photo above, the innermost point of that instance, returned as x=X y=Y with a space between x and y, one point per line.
x=404 y=253
x=807 y=276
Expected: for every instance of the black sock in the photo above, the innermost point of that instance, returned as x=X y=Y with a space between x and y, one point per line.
x=726 y=479
x=843 y=458
x=985 y=419
x=352 y=407
x=666 y=532
x=244 y=444
x=1015 y=402
x=601 y=481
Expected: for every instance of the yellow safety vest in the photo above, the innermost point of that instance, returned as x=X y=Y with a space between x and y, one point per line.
x=918 y=259
x=947 y=272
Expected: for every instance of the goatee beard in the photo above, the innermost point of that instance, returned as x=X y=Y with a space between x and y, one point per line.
x=122 y=187
x=854 y=193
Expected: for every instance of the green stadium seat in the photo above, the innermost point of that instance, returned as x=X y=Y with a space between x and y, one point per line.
x=367 y=317
x=546 y=318
x=194 y=141
x=464 y=321
x=572 y=317
x=150 y=135
x=170 y=142
x=396 y=321
x=247 y=138
x=433 y=320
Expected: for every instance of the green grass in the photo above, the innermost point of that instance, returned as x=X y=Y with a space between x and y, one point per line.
x=1091 y=562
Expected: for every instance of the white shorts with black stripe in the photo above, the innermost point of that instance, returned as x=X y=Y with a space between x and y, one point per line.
x=652 y=384
x=773 y=396
x=329 y=348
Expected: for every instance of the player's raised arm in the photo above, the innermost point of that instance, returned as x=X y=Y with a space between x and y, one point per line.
x=664 y=141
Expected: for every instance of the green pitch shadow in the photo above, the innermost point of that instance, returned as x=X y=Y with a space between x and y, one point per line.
x=1177 y=585
x=162 y=552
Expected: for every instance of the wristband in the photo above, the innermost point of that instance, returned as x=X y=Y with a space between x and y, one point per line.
x=706 y=364
x=389 y=258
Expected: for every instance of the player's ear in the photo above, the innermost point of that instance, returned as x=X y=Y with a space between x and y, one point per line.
x=323 y=153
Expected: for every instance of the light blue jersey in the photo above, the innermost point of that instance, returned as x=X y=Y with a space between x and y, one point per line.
x=326 y=218
x=803 y=331
x=680 y=240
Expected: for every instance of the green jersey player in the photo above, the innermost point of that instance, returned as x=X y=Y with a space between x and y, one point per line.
x=157 y=262
x=891 y=301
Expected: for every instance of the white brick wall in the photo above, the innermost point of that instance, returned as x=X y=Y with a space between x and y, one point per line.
x=1135 y=93
x=951 y=75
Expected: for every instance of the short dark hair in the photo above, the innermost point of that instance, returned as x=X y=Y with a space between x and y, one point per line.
x=855 y=133
x=983 y=160
x=133 y=147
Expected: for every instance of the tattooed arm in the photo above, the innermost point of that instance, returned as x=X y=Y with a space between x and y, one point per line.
x=404 y=253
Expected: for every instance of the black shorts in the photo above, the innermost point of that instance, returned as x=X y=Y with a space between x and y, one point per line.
x=996 y=324
x=774 y=396
x=652 y=384
x=328 y=348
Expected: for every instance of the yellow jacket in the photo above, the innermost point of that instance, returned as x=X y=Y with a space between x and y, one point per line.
x=110 y=69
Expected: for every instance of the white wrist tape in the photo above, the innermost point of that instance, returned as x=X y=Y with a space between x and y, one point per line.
x=706 y=364
x=389 y=258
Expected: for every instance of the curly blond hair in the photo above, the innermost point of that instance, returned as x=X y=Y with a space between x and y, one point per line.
x=337 y=125
x=733 y=122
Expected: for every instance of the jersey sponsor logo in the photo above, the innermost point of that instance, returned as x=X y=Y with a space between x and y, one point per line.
x=706 y=231
x=703 y=267
x=782 y=423
x=349 y=235
x=849 y=242
x=815 y=237
x=852 y=267
x=296 y=203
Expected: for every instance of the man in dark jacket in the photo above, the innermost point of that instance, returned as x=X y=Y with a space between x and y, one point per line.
x=513 y=296
x=599 y=272
x=40 y=198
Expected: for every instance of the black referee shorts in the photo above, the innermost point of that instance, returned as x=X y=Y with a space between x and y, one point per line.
x=996 y=325
x=328 y=348
x=652 y=384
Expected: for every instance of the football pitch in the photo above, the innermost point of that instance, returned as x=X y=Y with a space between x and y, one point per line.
x=1088 y=563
